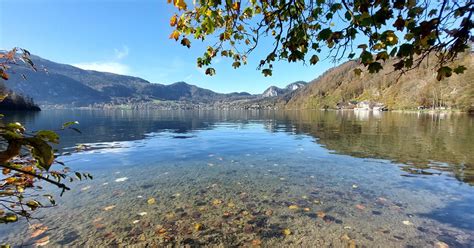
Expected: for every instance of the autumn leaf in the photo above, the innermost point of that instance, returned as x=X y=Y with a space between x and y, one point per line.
x=3 y=74
x=175 y=35
x=185 y=42
x=173 y=20
x=180 y=4
x=236 y=6
x=314 y=59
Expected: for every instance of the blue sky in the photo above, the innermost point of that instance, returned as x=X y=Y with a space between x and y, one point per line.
x=130 y=37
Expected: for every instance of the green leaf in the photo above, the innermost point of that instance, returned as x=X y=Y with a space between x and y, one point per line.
x=314 y=59
x=382 y=56
x=348 y=15
x=41 y=151
x=357 y=71
x=375 y=67
x=325 y=34
x=236 y=64
x=444 y=72
x=366 y=57
x=210 y=71
x=33 y=204
x=8 y=218
x=460 y=69
x=70 y=123
x=48 y=135
x=267 y=72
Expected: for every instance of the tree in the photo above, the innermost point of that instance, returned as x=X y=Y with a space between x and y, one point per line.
x=27 y=159
x=374 y=30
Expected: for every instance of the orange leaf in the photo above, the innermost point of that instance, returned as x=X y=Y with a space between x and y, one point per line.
x=236 y=6
x=175 y=35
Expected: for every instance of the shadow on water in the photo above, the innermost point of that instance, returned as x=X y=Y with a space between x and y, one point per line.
x=458 y=213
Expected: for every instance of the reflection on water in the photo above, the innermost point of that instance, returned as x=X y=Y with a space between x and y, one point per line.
x=244 y=178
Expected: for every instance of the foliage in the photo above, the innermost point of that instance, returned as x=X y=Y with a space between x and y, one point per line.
x=416 y=88
x=27 y=159
x=407 y=30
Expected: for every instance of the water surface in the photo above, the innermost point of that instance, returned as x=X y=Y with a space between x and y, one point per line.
x=275 y=179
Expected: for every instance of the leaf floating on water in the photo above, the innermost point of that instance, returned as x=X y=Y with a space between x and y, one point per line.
x=256 y=242
x=161 y=231
x=38 y=230
x=407 y=222
x=216 y=202
x=135 y=221
x=354 y=186
x=360 y=206
x=230 y=205
x=121 y=179
x=306 y=209
x=109 y=208
x=43 y=241
x=142 y=213
x=198 y=227
x=293 y=207
x=286 y=231
x=86 y=188
x=151 y=200
x=352 y=244
x=321 y=214
x=440 y=244
x=345 y=237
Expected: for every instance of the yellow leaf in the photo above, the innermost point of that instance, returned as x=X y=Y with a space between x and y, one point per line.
x=180 y=4
x=286 y=231
x=198 y=227
x=173 y=20
x=236 y=6
x=151 y=201
x=175 y=35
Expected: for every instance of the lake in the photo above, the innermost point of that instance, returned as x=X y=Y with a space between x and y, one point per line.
x=260 y=178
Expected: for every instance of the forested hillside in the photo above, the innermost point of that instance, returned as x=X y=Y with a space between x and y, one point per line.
x=416 y=88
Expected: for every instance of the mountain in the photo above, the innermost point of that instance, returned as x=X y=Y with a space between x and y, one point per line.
x=273 y=91
x=340 y=87
x=56 y=83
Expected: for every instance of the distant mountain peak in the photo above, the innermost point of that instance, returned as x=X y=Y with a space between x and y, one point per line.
x=274 y=91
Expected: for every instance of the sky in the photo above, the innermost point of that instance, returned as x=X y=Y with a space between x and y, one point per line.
x=131 y=37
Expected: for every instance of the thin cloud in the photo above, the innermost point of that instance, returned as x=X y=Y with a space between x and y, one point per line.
x=112 y=67
x=121 y=53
